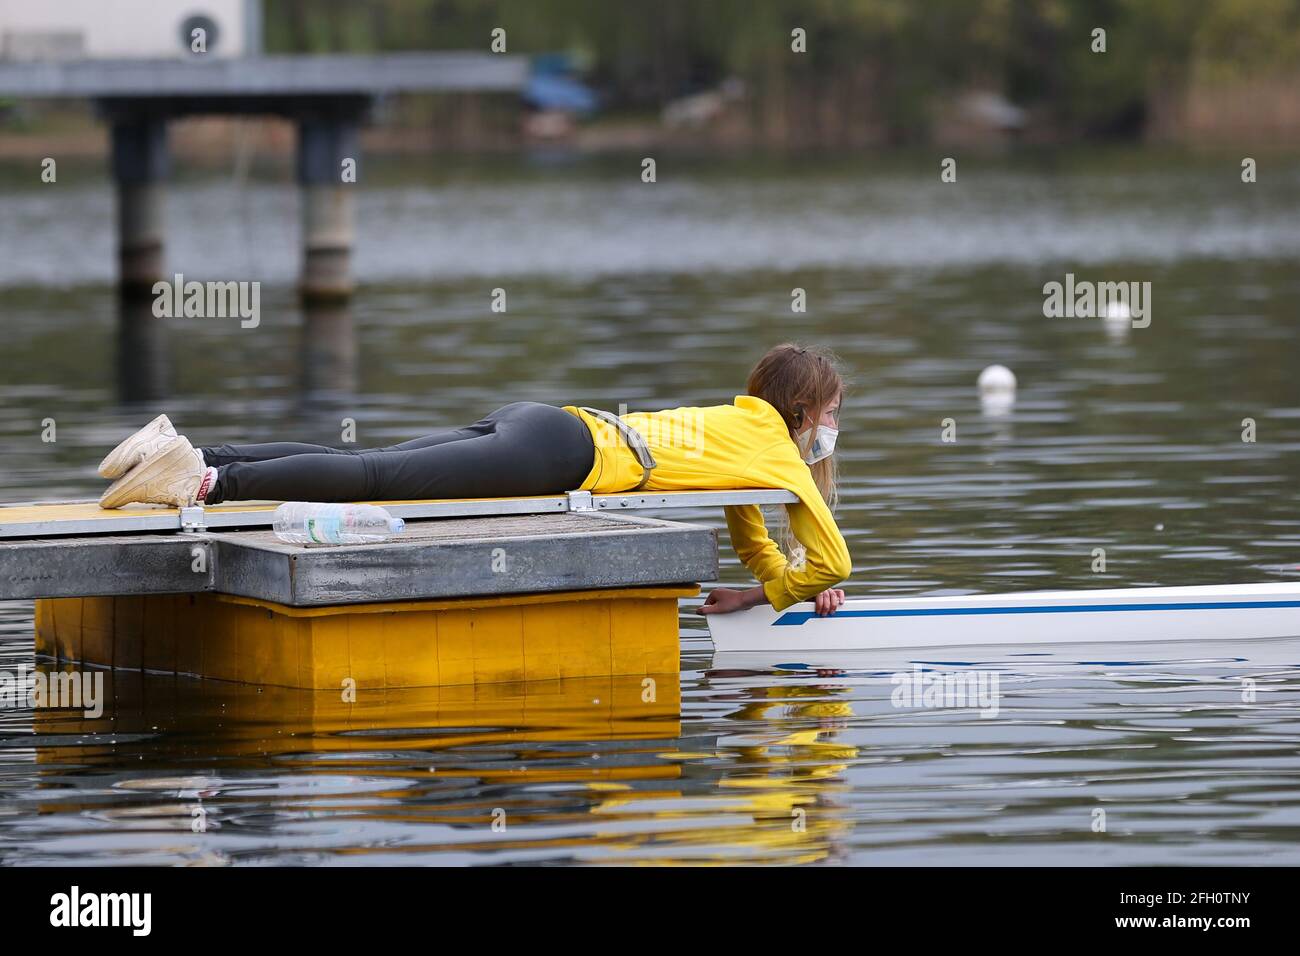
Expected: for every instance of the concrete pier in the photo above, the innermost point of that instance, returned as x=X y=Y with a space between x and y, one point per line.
x=327 y=97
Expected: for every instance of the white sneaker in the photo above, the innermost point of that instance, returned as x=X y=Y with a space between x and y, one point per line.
x=172 y=475
x=137 y=448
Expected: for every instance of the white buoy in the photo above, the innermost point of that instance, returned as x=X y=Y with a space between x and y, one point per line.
x=997 y=385
x=1117 y=310
x=1118 y=320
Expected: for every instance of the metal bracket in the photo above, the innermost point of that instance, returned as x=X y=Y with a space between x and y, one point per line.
x=192 y=518
x=581 y=501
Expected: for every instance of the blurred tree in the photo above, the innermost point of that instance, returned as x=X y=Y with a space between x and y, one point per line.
x=873 y=67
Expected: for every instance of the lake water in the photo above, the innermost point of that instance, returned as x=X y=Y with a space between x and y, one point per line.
x=1127 y=440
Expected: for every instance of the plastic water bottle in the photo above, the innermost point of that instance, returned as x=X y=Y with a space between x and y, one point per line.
x=307 y=522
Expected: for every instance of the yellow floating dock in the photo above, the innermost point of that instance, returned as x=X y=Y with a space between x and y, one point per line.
x=482 y=591
x=597 y=633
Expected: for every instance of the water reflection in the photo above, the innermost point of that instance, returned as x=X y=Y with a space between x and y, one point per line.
x=194 y=770
x=327 y=356
x=162 y=715
x=210 y=758
x=143 y=353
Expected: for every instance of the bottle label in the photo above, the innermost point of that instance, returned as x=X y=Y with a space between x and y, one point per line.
x=323 y=528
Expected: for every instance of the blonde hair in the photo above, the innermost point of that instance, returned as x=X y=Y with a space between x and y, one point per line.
x=800 y=382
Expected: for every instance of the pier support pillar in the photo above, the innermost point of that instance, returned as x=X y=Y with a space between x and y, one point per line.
x=324 y=144
x=140 y=164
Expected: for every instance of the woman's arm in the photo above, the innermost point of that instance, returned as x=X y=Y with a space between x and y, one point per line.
x=826 y=562
x=726 y=600
x=756 y=550
x=751 y=542
x=826 y=559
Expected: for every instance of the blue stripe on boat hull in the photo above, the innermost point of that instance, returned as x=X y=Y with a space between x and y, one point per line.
x=797 y=618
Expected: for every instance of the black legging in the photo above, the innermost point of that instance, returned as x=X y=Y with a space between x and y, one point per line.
x=524 y=448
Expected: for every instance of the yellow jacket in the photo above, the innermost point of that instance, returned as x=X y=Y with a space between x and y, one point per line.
x=745 y=445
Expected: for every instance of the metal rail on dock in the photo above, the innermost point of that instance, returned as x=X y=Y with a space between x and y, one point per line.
x=47 y=519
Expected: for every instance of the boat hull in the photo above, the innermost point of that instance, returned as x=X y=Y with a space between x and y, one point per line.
x=1236 y=611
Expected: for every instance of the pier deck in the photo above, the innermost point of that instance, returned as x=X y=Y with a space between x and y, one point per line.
x=431 y=560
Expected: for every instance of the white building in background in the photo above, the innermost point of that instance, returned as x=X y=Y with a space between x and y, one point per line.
x=126 y=29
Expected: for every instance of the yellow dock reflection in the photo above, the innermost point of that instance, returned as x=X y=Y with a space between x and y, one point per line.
x=441 y=765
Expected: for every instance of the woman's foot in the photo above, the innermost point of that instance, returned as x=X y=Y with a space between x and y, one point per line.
x=137 y=448
x=173 y=475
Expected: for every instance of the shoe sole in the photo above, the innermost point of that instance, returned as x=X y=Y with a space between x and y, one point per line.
x=133 y=450
x=168 y=458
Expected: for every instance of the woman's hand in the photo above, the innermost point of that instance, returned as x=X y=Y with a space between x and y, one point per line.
x=726 y=600
x=828 y=602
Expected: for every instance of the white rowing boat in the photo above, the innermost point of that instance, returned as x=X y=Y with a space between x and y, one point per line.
x=1233 y=611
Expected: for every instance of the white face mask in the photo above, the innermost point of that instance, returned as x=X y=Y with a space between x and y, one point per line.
x=817 y=443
